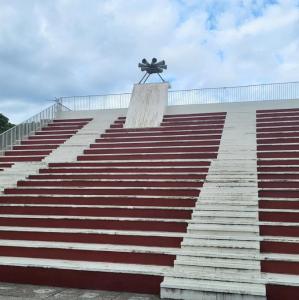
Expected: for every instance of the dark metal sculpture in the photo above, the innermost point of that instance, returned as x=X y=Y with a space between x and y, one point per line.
x=151 y=68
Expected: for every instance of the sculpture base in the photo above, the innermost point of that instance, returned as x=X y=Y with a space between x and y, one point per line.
x=147 y=105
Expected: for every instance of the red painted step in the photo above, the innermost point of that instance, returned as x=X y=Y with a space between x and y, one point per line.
x=277 y=124
x=278 y=141
x=63 y=127
x=101 y=183
x=156 y=144
x=51 y=131
x=278 y=184
x=279 y=230
x=126 y=282
x=144 y=225
x=285 y=164
x=279 y=247
x=277 y=134
x=100 y=200
x=160 y=133
x=97 y=238
x=193 y=192
x=278 y=129
x=5 y=165
x=278 y=110
x=20 y=158
x=279 y=193
x=178 y=124
x=120 y=170
x=196 y=114
x=279 y=216
x=280 y=267
x=98 y=212
x=151 y=150
x=42 y=142
x=35 y=147
x=278 y=119
x=279 y=204
x=50 y=137
x=166 y=128
x=132 y=164
x=27 y=152
x=277 y=147
x=72 y=120
x=279 y=292
x=201 y=119
x=148 y=156
x=89 y=255
x=278 y=154
x=161 y=138
x=278 y=176
x=177 y=176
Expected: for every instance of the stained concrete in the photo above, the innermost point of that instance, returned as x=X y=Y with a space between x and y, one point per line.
x=10 y=291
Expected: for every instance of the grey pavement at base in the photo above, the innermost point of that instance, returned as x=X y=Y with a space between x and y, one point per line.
x=11 y=291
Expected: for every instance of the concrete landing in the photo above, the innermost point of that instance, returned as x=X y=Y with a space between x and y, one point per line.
x=10 y=291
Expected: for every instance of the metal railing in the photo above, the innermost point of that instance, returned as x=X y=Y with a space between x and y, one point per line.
x=261 y=92
x=15 y=134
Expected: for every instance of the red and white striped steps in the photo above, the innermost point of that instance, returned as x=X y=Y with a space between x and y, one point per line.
x=123 y=214
x=278 y=174
x=43 y=142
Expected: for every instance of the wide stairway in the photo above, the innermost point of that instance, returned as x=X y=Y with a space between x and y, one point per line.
x=115 y=218
x=278 y=182
x=40 y=144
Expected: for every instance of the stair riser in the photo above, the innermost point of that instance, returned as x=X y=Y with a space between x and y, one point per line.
x=113 y=239
x=27 y=153
x=279 y=292
x=133 y=164
x=279 y=194
x=281 y=267
x=194 y=126
x=277 y=119
x=223 y=114
x=278 y=176
x=278 y=129
x=278 y=216
x=277 y=124
x=50 y=137
x=72 y=120
x=42 y=142
x=97 y=224
x=133 y=192
x=160 y=133
x=82 y=279
x=277 y=134
x=277 y=141
x=278 y=184
x=278 y=163
x=278 y=147
x=33 y=147
x=49 y=131
x=112 y=184
x=119 y=177
x=279 y=247
x=20 y=158
x=160 y=138
x=157 y=144
x=124 y=170
x=151 y=150
x=167 y=202
x=149 y=156
x=278 y=155
x=279 y=204
x=85 y=255
x=279 y=230
x=99 y=212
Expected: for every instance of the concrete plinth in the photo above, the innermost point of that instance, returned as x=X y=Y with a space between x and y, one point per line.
x=147 y=105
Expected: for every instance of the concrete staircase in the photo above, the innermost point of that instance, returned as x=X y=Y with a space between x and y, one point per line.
x=223 y=235
x=40 y=144
x=278 y=182
x=114 y=218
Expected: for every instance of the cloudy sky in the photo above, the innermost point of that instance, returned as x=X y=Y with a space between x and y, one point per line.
x=52 y=48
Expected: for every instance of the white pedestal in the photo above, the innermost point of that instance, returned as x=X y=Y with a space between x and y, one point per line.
x=147 y=105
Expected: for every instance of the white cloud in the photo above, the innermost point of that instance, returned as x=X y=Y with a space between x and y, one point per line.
x=66 y=47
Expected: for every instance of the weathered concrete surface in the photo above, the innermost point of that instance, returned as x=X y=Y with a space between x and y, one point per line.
x=147 y=105
x=28 y=292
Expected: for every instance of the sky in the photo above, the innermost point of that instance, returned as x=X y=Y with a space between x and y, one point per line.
x=54 y=48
